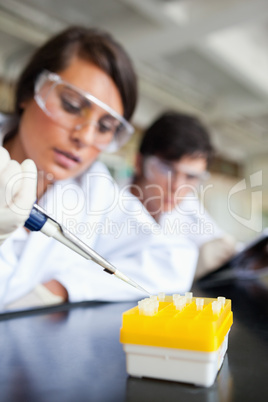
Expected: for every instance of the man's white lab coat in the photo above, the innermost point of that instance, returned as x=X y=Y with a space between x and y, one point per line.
x=189 y=219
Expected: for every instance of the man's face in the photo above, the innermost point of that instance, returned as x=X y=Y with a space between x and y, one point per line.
x=166 y=183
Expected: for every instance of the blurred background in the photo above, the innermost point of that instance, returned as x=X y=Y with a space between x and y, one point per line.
x=204 y=57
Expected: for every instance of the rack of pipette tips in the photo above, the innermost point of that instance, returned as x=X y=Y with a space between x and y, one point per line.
x=177 y=338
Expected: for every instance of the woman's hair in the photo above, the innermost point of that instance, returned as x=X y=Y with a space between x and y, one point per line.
x=174 y=135
x=90 y=44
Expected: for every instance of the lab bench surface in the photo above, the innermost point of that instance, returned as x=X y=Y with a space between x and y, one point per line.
x=72 y=353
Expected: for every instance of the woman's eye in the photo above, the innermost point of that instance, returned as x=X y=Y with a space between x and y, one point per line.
x=71 y=106
x=106 y=126
x=103 y=128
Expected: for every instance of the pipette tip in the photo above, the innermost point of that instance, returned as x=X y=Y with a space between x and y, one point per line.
x=126 y=279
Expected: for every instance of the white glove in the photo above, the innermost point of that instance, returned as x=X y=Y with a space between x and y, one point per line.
x=214 y=253
x=17 y=192
x=40 y=296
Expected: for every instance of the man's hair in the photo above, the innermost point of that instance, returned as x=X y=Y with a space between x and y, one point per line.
x=174 y=135
x=89 y=44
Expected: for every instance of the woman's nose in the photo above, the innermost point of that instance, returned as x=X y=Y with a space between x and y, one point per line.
x=84 y=135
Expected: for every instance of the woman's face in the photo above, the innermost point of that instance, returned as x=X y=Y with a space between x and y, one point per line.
x=58 y=152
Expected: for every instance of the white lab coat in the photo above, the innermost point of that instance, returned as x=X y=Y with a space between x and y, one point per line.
x=113 y=223
x=189 y=219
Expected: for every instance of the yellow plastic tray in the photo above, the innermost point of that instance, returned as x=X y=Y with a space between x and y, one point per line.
x=191 y=328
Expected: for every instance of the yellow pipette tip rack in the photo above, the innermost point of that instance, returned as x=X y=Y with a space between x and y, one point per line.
x=179 y=338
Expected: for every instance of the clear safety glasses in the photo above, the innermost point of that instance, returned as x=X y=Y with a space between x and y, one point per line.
x=155 y=167
x=72 y=108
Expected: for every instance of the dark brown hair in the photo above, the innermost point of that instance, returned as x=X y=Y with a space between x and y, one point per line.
x=174 y=135
x=89 y=44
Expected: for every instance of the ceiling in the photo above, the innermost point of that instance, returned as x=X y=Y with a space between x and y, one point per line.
x=208 y=57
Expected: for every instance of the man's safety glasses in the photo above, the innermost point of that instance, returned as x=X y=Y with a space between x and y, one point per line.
x=72 y=108
x=155 y=167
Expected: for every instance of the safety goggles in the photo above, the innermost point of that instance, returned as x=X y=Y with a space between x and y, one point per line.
x=155 y=167
x=72 y=108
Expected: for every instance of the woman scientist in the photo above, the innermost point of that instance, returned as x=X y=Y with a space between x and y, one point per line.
x=73 y=101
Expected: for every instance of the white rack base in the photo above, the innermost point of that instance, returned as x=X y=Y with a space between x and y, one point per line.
x=199 y=368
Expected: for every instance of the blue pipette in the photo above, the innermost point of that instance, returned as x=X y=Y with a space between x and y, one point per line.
x=40 y=221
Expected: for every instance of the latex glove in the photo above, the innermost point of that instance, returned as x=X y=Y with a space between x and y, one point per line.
x=40 y=296
x=17 y=192
x=214 y=253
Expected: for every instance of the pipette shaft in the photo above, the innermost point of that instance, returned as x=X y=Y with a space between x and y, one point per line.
x=39 y=220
